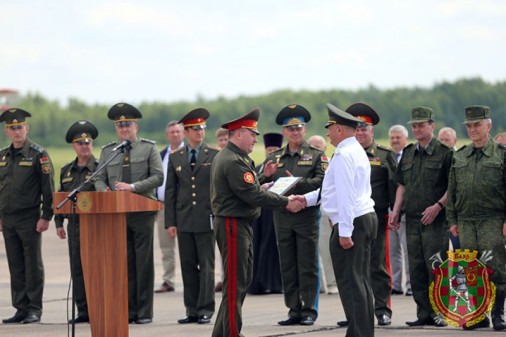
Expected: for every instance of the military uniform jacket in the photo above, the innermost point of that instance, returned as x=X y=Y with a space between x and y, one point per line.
x=477 y=186
x=383 y=164
x=235 y=189
x=306 y=163
x=25 y=178
x=71 y=176
x=146 y=168
x=187 y=200
x=425 y=176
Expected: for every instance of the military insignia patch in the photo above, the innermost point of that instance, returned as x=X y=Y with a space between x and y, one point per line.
x=248 y=177
x=44 y=160
x=462 y=291
x=46 y=168
x=325 y=163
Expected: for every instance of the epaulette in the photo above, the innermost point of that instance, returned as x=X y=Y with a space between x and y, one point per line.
x=211 y=147
x=315 y=148
x=147 y=141
x=383 y=147
x=66 y=164
x=37 y=148
x=461 y=148
x=109 y=144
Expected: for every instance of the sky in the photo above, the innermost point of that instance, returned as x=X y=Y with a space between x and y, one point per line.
x=143 y=51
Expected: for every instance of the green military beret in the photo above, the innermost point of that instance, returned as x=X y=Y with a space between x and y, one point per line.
x=476 y=113
x=421 y=114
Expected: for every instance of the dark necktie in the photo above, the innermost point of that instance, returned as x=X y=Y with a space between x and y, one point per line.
x=193 y=159
x=126 y=166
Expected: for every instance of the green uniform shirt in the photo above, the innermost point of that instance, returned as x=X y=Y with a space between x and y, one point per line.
x=383 y=163
x=477 y=186
x=146 y=168
x=424 y=175
x=71 y=176
x=235 y=189
x=306 y=163
x=26 y=177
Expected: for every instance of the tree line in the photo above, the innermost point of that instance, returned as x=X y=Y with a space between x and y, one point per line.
x=50 y=119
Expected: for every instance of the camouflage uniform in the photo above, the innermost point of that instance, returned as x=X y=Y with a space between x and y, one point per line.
x=476 y=203
x=424 y=173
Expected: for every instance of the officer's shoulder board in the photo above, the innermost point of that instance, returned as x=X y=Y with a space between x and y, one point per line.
x=109 y=144
x=383 y=147
x=214 y=148
x=145 y=140
x=314 y=148
x=67 y=164
x=37 y=148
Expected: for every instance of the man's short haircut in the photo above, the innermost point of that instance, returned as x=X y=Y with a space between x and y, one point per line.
x=399 y=128
x=499 y=135
x=172 y=123
x=222 y=132
x=448 y=129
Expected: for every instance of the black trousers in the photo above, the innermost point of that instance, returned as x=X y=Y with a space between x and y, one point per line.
x=353 y=277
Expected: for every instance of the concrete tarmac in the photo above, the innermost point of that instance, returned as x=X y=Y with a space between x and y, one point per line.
x=260 y=312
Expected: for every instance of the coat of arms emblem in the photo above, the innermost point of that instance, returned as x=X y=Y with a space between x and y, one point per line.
x=462 y=292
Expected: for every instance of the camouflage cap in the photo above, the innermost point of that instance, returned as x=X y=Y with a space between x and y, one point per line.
x=476 y=113
x=421 y=114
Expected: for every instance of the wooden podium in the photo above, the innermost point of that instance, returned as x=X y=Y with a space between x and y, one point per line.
x=102 y=218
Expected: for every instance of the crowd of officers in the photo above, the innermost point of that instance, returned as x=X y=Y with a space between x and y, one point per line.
x=427 y=191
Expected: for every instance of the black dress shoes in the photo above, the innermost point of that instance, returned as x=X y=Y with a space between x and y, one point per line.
x=17 y=318
x=79 y=319
x=306 y=321
x=31 y=319
x=384 y=320
x=204 y=319
x=343 y=323
x=188 y=319
x=290 y=321
x=421 y=322
x=397 y=292
x=409 y=292
x=143 y=321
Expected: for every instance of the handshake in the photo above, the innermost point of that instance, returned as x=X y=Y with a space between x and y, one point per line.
x=296 y=203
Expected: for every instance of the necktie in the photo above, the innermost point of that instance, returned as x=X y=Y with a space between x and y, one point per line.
x=193 y=159
x=126 y=178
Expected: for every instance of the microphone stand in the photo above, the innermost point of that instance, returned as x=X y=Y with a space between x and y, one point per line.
x=72 y=196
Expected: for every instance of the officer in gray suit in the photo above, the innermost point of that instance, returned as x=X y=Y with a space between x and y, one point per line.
x=188 y=214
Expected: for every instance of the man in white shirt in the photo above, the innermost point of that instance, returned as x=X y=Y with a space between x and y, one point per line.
x=174 y=134
x=346 y=199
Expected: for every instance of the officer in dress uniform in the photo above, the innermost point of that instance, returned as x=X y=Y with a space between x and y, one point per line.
x=346 y=199
x=188 y=215
x=476 y=203
x=26 y=184
x=297 y=234
x=81 y=135
x=383 y=163
x=139 y=169
x=236 y=198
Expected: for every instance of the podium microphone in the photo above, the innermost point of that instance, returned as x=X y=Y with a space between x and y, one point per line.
x=122 y=145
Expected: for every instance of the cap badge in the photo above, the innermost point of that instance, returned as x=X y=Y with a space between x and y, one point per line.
x=13 y=110
x=120 y=105
x=83 y=135
x=122 y=117
x=293 y=106
x=82 y=122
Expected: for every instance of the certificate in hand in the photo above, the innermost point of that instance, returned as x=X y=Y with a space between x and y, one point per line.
x=283 y=184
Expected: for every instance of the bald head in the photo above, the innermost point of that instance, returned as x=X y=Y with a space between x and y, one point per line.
x=318 y=142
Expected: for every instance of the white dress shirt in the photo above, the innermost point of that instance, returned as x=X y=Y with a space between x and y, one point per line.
x=346 y=188
x=160 y=190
